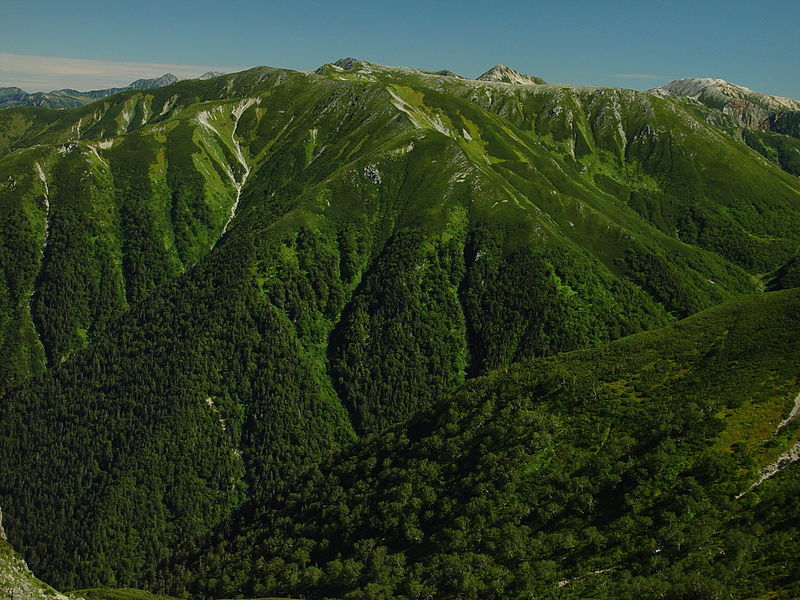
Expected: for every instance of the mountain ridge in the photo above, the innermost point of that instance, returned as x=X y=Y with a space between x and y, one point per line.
x=70 y=98
x=211 y=285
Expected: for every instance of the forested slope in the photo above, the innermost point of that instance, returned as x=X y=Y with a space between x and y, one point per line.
x=209 y=285
x=619 y=472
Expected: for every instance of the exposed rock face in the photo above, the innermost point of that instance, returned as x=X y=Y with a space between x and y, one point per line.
x=708 y=90
x=752 y=109
x=346 y=63
x=2 y=531
x=448 y=73
x=748 y=114
x=372 y=174
x=504 y=74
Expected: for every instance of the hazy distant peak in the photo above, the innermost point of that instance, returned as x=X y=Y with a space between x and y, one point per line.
x=144 y=84
x=211 y=74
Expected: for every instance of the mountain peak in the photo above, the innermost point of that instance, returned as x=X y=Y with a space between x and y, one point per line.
x=145 y=84
x=347 y=63
x=504 y=74
x=211 y=74
x=721 y=92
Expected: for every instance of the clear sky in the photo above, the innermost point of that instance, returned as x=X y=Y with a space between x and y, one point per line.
x=638 y=44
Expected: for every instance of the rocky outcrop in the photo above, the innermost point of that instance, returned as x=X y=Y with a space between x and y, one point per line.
x=504 y=74
x=753 y=110
x=748 y=114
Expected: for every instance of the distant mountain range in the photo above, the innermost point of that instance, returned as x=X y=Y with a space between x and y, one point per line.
x=68 y=98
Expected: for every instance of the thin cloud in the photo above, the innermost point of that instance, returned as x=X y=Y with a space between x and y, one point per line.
x=637 y=76
x=45 y=73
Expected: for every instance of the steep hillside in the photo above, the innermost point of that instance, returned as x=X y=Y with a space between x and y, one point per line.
x=16 y=580
x=620 y=472
x=209 y=285
x=771 y=124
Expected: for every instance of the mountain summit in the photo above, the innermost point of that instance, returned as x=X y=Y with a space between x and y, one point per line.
x=706 y=89
x=157 y=82
x=504 y=74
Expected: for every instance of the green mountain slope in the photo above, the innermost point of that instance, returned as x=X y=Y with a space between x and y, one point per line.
x=618 y=472
x=209 y=285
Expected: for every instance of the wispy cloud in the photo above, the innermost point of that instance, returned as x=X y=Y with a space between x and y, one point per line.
x=45 y=73
x=637 y=76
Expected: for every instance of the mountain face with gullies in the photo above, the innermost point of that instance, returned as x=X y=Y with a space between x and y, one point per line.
x=210 y=287
x=768 y=124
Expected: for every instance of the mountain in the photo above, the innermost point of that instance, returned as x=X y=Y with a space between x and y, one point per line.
x=662 y=465
x=724 y=95
x=209 y=286
x=768 y=124
x=504 y=74
x=146 y=84
x=14 y=96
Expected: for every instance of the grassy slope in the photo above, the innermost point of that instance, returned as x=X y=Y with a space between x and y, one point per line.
x=606 y=473
x=507 y=223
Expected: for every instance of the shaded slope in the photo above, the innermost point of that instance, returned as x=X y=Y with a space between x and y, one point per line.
x=609 y=473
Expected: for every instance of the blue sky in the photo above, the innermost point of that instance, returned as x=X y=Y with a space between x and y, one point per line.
x=630 y=44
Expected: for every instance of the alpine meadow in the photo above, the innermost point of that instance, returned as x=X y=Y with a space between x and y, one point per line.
x=373 y=332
